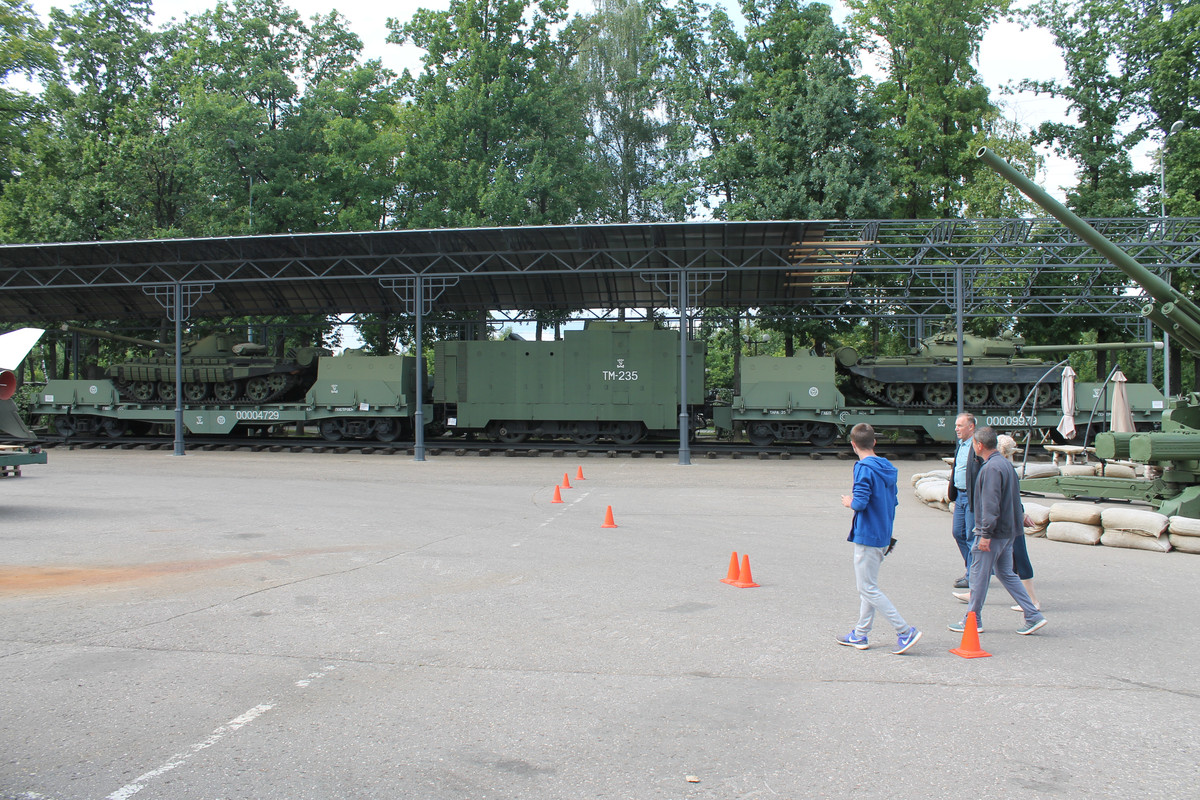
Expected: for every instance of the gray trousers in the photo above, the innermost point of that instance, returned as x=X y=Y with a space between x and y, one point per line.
x=999 y=560
x=866 y=573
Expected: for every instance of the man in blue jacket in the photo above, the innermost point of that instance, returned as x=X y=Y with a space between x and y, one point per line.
x=874 y=501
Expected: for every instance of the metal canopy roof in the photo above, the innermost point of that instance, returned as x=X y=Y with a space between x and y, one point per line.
x=576 y=266
x=901 y=269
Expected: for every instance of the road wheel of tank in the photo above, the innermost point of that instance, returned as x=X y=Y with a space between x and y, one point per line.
x=510 y=433
x=900 y=394
x=257 y=389
x=1006 y=394
x=760 y=434
x=387 y=430
x=194 y=392
x=584 y=433
x=975 y=394
x=143 y=390
x=331 y=430
x=872 y=387
x=65 y=425
x=114 y=428
x=938 y=394
x=1049 y=394
x=166 y=391
x=823 y=434
x=227 y=391
x=629 y=433
x=277 y=383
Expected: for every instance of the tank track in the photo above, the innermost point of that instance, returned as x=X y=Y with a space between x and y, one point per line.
x=865 y=386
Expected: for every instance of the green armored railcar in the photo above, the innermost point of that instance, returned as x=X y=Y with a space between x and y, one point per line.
x=618 y=380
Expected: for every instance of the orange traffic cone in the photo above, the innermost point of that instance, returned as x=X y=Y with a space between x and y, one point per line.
x=732 y=575
x=745 y=579
x=608 y=519
x=566 y=484
x=970 y=641
x=557 y=496
x=579 y=474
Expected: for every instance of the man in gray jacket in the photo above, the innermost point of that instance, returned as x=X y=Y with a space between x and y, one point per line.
x=999 y=519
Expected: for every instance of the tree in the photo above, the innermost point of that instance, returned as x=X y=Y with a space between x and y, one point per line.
x=496 y=131
x=933 y=101
x=25 y=50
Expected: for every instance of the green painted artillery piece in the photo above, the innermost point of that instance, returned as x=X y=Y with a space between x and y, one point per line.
x=1173 y=452
x=218 y=368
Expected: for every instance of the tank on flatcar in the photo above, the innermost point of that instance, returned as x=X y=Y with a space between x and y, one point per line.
x=218 y=368
x=612 y=380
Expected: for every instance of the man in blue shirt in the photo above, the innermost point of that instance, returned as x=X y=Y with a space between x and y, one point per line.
x=961 y=488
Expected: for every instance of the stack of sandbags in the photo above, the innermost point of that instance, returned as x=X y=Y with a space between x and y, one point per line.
x=1077 y=469
x=1032 y=470
x=930 y=488
x=1184 y=534
x=1039 y=515
x=1119 y=470
x=1131 y=527
x=1078 y=523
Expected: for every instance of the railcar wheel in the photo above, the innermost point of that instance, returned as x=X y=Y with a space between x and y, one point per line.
x=114 y=428
x=257 y=389
x=900 y=394
x=227 y=391
x=65 y=425
x=629 y=433
x=584 y=433
x=509 y=433
x=387 y=430
x=975 y=394
x=823 y=434
x=331 y=430
x=144 y=390
x=938 y=394
x=760 y=434
x=166 y=391
x=195 y=392
x=1006 y=394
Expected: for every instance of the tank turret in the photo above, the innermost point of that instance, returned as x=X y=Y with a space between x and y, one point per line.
x=218 y=368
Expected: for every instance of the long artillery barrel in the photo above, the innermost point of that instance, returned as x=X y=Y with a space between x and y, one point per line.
x=116 y=337
x=1171 y=310
x=1088 y=348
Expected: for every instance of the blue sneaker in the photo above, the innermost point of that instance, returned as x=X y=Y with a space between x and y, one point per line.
x=851 y=640
x=906 y=640
x=1030 y=627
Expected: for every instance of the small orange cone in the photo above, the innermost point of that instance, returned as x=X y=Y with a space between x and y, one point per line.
x=745 y=579
x=557 y=496
x=608 y=519
x=970 y=641
x=566 y=484
x=732 y=575
x=579 y=474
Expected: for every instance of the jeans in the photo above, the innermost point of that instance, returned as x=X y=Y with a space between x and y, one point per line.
x=998 y=559
x=866 y=573
x=964 y=523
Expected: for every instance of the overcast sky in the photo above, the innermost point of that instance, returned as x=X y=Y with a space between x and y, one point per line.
x=1008 y=54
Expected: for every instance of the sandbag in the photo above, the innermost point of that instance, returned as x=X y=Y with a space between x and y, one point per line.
x=1084 y=513
x=1036 y=470
x=1134 y=520
x=1074 y=532
x=1076 y=470
x=1039 y=515
x=937 y=474
x=1119 y=471
x=932 y=492
x=1183 y=526
x=1184 y=544
x=1134 y=541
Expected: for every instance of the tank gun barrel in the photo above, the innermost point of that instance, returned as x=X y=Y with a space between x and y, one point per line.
x=1088 y=348
x=116 y=337
x=1172 y=311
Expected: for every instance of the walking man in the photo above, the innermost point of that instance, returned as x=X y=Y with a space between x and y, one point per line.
x=999 y=519
x=874 y=501
x=960 y=490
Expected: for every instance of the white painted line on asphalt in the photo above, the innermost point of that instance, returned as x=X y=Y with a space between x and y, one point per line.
x=179 y=759
x=566 y=504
